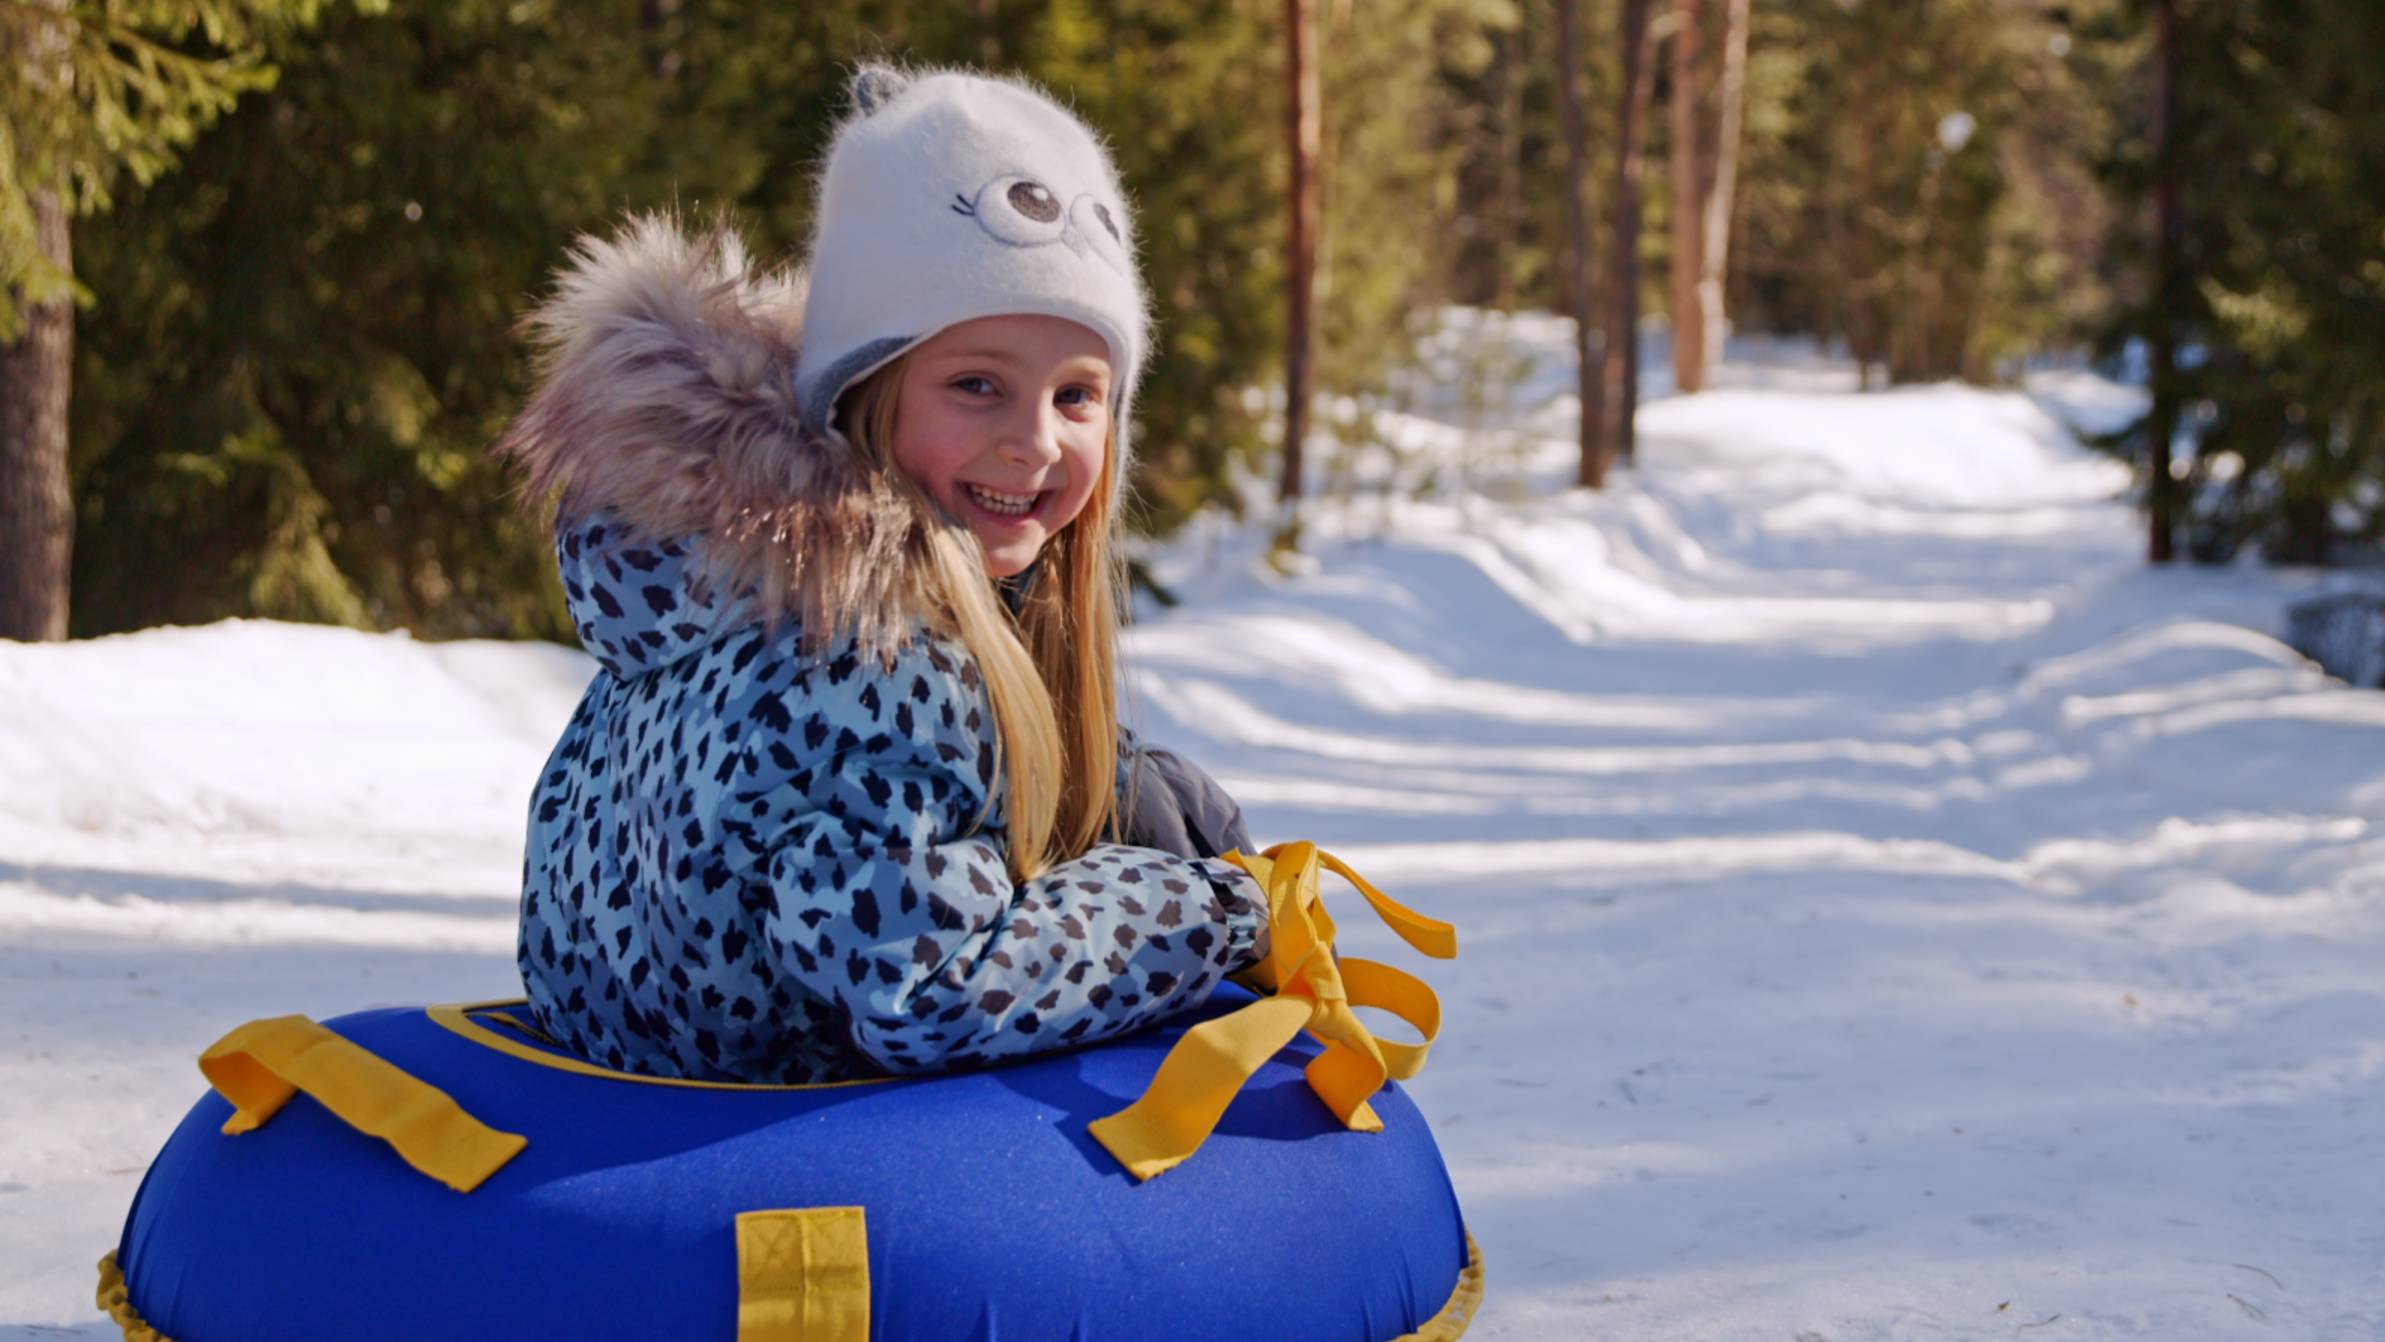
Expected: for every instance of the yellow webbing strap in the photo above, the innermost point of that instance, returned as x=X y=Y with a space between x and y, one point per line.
x=259 y=1066
x=1312 y=990
x=803 y=1276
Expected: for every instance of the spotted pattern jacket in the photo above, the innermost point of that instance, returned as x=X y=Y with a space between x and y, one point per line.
x=758 y=857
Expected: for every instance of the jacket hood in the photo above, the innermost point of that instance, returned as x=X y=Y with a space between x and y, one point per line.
x=664 y=427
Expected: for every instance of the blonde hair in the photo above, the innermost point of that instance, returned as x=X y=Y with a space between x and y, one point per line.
x=1051 y=670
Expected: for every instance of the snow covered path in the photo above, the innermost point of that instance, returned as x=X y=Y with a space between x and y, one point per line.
x=1888 y=910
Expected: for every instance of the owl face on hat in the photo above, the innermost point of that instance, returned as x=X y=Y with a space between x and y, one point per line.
x=1018 y=209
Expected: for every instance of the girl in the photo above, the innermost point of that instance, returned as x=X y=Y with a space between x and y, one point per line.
x=830 y=808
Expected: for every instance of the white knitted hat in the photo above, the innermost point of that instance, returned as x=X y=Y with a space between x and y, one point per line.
x=950 y=196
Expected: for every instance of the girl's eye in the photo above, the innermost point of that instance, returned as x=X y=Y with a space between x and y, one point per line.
x=973 y=384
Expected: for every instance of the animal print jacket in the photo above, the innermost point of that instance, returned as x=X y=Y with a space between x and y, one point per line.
x=756 y=855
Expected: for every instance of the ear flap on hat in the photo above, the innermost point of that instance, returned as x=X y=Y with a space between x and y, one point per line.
x=875 y=85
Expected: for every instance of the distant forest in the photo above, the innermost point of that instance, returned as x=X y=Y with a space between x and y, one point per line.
x=260 y=260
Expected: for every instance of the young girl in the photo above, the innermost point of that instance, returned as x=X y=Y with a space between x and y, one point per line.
x=836 y=803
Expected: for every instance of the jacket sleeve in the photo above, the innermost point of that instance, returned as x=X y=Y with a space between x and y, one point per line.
x=863 y=795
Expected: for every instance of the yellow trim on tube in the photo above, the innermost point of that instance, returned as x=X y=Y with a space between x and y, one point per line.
x=1457 y=1314
x=458 y=1018
x=115 y=1302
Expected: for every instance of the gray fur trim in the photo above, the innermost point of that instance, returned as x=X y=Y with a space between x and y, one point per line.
x=666 y=360
x=820 y=405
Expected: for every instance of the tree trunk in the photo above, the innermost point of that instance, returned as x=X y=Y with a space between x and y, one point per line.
x=36 y=506
x=1863 y=261
x=1689 y=206
x=2161 y=421
x=1714 y=256
x=1622 y=363
x=1589 y=380
x=1508 y=204
x=1301 y=258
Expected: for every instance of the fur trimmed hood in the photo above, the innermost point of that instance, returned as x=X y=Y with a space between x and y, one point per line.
x=665 y=414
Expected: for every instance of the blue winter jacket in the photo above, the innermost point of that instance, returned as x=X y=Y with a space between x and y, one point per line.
x=747 y=860
x=748 y=863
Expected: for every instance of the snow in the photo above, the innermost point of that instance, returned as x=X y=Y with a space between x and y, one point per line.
x=1889 y=910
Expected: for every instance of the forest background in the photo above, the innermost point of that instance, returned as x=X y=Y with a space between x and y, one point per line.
x=261 y=260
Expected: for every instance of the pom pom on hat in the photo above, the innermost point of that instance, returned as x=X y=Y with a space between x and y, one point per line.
x=950 y=196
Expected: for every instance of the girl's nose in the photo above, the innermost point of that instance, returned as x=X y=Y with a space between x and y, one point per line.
x=1033 y=438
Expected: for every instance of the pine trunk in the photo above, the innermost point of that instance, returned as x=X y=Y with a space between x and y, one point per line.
x=1589 y=381
x=2161 y=423
x=1622 y=363
x=1862 y=262
x=1688 y=207
x=1714 y=256
x=1301 y=258
x=36 y=505
x=1508 y=206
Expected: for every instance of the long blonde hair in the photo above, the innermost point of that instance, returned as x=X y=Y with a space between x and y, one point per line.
x=1050 y=671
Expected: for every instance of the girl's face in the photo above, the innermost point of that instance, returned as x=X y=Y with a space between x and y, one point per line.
x=1005 y=422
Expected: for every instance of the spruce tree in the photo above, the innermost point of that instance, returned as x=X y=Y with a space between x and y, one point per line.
x=90 y=94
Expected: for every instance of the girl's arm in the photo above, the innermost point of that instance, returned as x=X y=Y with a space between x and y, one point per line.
x=855 y=800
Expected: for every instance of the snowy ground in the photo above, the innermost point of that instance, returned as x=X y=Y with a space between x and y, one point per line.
x=1889 y=910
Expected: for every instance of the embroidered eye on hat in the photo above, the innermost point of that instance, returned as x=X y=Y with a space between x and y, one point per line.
x=950 y=196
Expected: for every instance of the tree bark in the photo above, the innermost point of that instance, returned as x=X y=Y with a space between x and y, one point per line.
x=1714 y=256
x=1508 y=204
x=2161 y=420
x=1622 y=362
x=1301 y=251
x=1861 y=250
x=1689 y=205
x=1589 y=379
x=36 y=505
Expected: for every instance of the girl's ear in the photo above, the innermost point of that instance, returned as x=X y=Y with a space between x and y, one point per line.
x=875 y=85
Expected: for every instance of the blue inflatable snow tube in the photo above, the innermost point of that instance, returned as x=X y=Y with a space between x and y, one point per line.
x=964 y=1206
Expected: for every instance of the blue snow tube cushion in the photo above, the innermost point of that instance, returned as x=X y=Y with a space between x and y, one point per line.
x=960 y=1206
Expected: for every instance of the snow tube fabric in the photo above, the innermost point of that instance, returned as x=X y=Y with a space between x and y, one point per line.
x=991 y=1213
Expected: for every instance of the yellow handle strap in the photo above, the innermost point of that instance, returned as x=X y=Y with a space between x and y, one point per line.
x=803 y=1275
x=259 y=1066
x=1192 y=1088
x=1312 y=990
x=1430 y=935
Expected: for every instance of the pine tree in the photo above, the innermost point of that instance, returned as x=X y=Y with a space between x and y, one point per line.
x=2260 y=280
x=92 y=94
